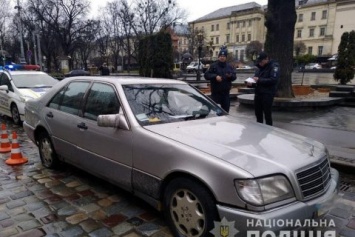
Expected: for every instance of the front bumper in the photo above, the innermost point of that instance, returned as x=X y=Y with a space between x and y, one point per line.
x=293 y=213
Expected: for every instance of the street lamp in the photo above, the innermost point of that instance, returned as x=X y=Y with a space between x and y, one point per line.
x=18 y=7
x=200 y=42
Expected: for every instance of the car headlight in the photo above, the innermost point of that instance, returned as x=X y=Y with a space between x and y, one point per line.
x=25 y=98
x=264 y=191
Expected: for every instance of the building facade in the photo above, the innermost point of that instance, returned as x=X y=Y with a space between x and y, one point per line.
x=320 y=24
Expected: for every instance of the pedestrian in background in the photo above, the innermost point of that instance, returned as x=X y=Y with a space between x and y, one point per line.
x=266 y=77
x=221 y=74
x=105 y=71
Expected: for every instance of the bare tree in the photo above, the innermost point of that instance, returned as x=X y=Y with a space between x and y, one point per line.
x=280 y=22
x=66 y=18
x=299 y=47
x=253 y=49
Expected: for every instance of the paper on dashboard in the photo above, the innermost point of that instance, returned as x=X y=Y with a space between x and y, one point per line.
x=250 y=80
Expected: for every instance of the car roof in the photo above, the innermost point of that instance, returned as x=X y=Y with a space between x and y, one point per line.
x=24 y=72
x=127 y=80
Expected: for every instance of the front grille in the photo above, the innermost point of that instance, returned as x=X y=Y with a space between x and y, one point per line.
x=314 y=180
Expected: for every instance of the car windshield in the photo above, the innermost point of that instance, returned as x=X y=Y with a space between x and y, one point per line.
x=158 y=103
x=33 y=80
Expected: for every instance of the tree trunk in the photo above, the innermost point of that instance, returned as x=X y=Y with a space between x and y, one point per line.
x=280 y=22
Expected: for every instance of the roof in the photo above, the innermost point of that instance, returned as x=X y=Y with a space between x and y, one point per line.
x=308 y=2
x=226 y=11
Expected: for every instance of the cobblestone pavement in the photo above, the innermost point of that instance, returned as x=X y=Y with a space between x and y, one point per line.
x=35 y=201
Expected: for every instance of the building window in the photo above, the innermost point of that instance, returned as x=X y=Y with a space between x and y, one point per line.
x=300 y=18
x=313 y=16
x=249 y=23
x=228 y=26
x=212 y=40
x=324 y=14
x=311 y=32
x=249 y=37
x=322 y=31
x=243 y=38
x=236 y=54
x=237 y=38
x=238 y=24
x=243 y=23
x=320 y=50
x=217 y=27
x=227 y=38
x=299 y=33
x=310 y=49
x=217 y=40
x=212 y=27
x=242 y=55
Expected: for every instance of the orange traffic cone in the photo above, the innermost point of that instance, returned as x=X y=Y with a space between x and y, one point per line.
x=5 y=145
x=16 y=155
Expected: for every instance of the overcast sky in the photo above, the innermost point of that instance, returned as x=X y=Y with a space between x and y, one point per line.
x=194 y=8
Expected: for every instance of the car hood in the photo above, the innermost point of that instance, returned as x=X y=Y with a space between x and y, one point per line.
x=34 y=92
x=256 y=148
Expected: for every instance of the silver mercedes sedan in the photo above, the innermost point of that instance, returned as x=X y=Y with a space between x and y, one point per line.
x=172 y=146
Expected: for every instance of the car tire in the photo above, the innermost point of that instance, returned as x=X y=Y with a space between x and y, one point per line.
x=47 y=153
x=15 y=115
x=186 y=201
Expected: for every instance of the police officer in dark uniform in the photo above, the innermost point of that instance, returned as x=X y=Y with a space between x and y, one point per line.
x=221 y=74
x=266 y=78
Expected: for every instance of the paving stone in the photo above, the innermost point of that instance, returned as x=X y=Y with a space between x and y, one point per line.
x=33 y=233
x=113 y=220
x=55 y=227
x=351 y=224
x=148 y=228
x=132 y=234
x=122 y=228
x=89 y=225
x=31 y=199
x=34 y=206
x=72 y=197
x=68 y=179
x=135 y=221
x=58 y=205
x=105 y=202
x=12 y=185
x=28 y=225
x=67 y=211
x=340 y=213
x=42 y=194
x=40 y=176
x=62 y=191
x=9 y=232
x=17 y=211
x=116 y=208
x=85 y=193
x=72 y=232
x=14 y=204
x=76 y=218
x=23 y=217
x=347 y=233
x=21 y=195
x=4 y=200
x=90 y=208
x=148 y=216
x=36 y=187
x=3 y=216
x=98 y=215
x=114 y=198
x=82 y=188
x=53 y=183
x=53 y=199
x=6 y=223
x=131 y=211
x=50 y=218
x=44 y=211
x=165 y=232
x=73 y=184
x=102 y=232
x=84 y=201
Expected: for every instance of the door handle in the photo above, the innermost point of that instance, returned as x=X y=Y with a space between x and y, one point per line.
x=82 y=126
x=50 y=115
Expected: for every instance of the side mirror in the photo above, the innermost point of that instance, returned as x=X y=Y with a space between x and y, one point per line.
x=4 y=88
x=112 y=120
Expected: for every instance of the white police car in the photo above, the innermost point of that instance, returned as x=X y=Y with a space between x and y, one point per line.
x=16 y=87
